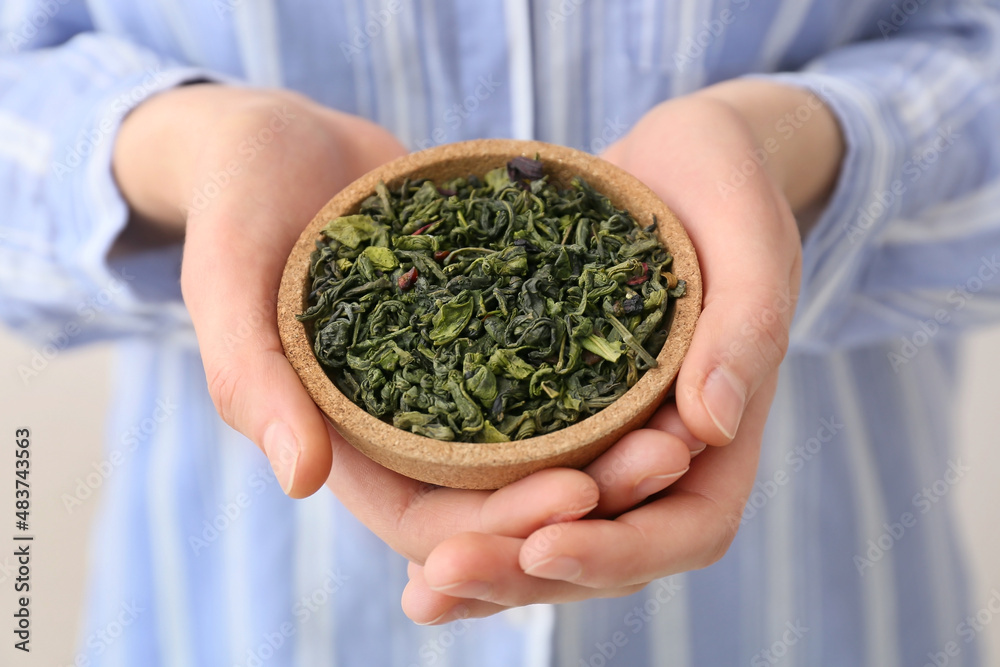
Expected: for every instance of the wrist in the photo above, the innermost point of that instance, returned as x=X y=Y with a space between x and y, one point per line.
x=799 y=137
x=154 y=148
x=164 y=146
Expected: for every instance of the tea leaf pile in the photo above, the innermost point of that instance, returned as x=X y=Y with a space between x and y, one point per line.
x=488 y=309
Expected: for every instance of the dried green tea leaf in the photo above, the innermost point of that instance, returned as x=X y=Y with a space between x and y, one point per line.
x=488 y=308
x=352 y=230
x=483 y=385
x=382 y=258
x=602 y=347
x=497 y=179
x=491 y=434
x=505 y=361
x=450 y=320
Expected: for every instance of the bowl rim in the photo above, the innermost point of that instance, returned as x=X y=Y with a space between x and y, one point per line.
x=341 y=411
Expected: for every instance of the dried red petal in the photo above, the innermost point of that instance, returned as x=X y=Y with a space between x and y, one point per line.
x=422 y=230
x=441 y=255
x=407 y=279
x=640 y=279
x=525 y=169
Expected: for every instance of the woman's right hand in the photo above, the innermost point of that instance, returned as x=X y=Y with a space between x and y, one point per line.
x=238 y=173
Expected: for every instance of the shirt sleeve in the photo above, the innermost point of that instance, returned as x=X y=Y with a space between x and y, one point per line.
x=63 y=93
x=907 y=246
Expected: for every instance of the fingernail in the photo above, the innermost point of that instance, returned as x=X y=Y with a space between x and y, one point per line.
x=557 y=567
x=457 y=612
x=435 y=621
x=697 y=448
x=465 y=589
x=655 y=483
x=570 y=516
x=282 y=450
x=725 y=398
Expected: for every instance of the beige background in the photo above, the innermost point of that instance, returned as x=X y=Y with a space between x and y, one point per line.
x=65 y=408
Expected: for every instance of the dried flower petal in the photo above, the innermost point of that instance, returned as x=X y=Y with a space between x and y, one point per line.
x=407 y=279
x=525 y=169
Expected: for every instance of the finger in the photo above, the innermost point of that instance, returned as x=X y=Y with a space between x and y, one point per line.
x=413 y=517
x=668 y=419
x=253 y=386
x=234 y=254
x=235 y=249
x=427 y=607
x=642 y=463
x=741 y=338
x=485 y=567
x=690 y=527
x=547 y=496
x=742 y=333
x=669 y=535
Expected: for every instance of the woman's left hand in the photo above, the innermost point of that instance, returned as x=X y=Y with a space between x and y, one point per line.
x=655 y=516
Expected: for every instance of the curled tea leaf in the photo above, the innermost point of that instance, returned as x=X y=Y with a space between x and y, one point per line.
x=504 y=361
x=602 y=347
x=488 y=308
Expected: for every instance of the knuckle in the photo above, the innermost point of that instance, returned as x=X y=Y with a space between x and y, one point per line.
x=760 y=334
x=722 y=525
x=624 y=591
x=763 y=336
x=408 y=530
x=223 y=387
x=609 y=581
x=773 y=344
x=719 y=542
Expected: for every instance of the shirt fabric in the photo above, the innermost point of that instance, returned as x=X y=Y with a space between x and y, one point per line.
x=847 y=554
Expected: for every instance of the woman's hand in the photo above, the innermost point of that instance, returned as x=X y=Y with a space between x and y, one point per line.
x=748 y=244
x=238 y=173
x=241 y=172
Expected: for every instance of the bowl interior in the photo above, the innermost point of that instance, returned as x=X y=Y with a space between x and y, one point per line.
x=402 y=450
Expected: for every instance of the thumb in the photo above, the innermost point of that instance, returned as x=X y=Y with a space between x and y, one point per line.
x=232 y=300
x=751 y=263
x=236 y=245
x=750 y=255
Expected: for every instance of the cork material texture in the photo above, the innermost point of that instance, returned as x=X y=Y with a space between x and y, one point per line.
x=492 y=465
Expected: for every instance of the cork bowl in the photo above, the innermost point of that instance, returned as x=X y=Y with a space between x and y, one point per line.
x=481 y=465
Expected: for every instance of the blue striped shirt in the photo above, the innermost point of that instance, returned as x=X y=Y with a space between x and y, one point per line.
x=847 y=554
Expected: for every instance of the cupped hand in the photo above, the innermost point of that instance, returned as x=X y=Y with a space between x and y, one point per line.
x=653 y=521
x=241 y=172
